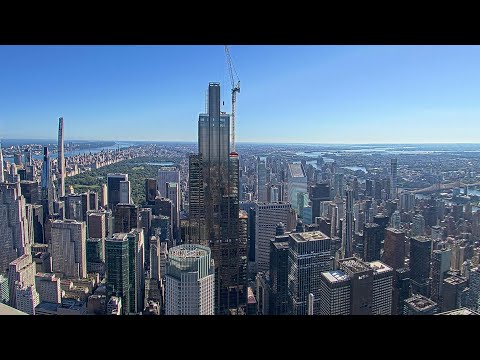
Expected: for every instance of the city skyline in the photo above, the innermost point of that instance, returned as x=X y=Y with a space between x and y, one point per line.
x=342 y=94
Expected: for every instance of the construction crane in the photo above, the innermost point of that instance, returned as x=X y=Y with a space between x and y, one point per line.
x=235 y=89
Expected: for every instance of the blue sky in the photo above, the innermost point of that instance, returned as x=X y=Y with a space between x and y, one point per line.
x=306 y=94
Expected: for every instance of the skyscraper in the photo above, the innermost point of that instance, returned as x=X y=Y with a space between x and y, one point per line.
x=61 y=160
x=420 y=256
x=167 y=174
x=219 y=171
x=418 y=225
x=279 y=273
x=261 y=181
x=357 y=288
x=419 y=305
x=267 y=216
x=372 y=241
x=297 y=183
x=68 y=248
x=125 y=192
x=394 y=248
x=2 y=174
x=319 y=192
x=349 y=226
x=309 y=255
x=189 y=281
x=47 y=186
x=48 y=288
x=393 y=175
x=136 y=276
x=125 y=218
x=14 y=225
x=440 y=266
x=21 y=270
x=474 y=282
x=113 y=188
x=26 y=298
x=117 y=268
x=150 y=190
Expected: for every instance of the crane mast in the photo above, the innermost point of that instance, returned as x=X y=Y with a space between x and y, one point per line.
x=235 y=89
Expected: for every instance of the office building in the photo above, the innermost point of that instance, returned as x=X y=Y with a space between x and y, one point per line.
x=401 y=290
x=117 y=267
x=418 y=225
x=349 y=226
x=48 y=288
x=93 y=201
x=68 y=248
x=30 y=190
x=267 y=216
x=261 y=181
x=125 y=192
x=104 y=196
x=21 y=270
x=189 y=281
x=319 y=192
x=26 y=298
x=113 y=188
x=372 y=241
x=440 y=266
x=136 y=275
x=125 y=218
x=97 y=226
x=221 y=230
x=4 y=290
x=274 y=194
x=61 y=160
x=454 y=293
x=393 y=178
x=279 y=297
x=309 y=255
x=396 y=220
x=167 y=174
x=150 y=190
x=154 y=258
x=173 y=193
x=196 y=216
x=357 y=288
x=420 y=257
x=14 y=225
x=2 y=174
x=394 y=248
x=74 y=207
x=419 y=305
x=474 y=283
x=297 y=183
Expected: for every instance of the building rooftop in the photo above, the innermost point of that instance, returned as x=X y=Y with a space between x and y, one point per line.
x=395 y=231
x=371 y=225
x=354 y=265
x=335 y=276
x=422 y=238
x=309 y=236
x=421 y=303
x=296 y=170
x=280 y=244
x=189 y=251
x=455 y=280
x=379 y=267
x=47 y=306
x=461 y=311
x=8 y=310
x=117 y=237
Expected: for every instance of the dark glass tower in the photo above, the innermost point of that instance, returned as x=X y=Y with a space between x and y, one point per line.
x=420 y=257
x=214 y=204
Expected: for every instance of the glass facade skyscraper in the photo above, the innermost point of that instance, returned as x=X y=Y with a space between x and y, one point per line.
x=214 y=204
